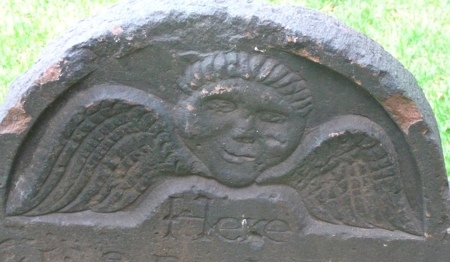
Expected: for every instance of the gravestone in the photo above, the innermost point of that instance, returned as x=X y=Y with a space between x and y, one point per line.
x=219 y=131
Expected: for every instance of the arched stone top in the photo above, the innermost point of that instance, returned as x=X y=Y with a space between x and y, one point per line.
x=300 y=81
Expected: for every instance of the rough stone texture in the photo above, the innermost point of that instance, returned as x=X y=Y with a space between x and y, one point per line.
x=219 y=131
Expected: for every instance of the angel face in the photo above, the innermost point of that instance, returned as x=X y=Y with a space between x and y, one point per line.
x=239 y=128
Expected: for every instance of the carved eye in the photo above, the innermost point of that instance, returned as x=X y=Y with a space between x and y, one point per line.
x=272 y=117
x=220 y=105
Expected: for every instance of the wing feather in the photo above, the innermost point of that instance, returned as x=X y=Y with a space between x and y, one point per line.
x=109 y=149
x=347 y=173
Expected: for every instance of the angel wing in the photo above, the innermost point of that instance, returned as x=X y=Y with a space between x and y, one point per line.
x=100 y=151
x=348 y=174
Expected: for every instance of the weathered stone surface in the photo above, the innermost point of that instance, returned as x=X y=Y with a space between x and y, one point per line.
x=219 y=131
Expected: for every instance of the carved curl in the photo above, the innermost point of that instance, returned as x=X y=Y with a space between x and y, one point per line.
x=257 y=68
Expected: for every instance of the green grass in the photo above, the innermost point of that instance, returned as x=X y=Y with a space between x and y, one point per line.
x=27 y=26
x=414 y=32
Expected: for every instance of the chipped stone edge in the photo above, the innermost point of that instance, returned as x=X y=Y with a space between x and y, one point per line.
x=16 y=120
x=403 y=110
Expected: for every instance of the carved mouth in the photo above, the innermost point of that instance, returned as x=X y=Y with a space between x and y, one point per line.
x=236 y=158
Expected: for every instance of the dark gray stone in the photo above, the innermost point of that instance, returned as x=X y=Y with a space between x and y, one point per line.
x=205 y=130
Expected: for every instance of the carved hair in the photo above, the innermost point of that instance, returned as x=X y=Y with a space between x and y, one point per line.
x=257 y=68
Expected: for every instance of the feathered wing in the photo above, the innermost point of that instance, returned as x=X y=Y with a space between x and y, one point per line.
x=99 y=152
x=348 y=174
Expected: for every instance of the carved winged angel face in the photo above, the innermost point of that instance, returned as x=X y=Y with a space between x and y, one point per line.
x=243 y=116
x=239 y=128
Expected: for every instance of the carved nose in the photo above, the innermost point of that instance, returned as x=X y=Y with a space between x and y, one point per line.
x=244 y=131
